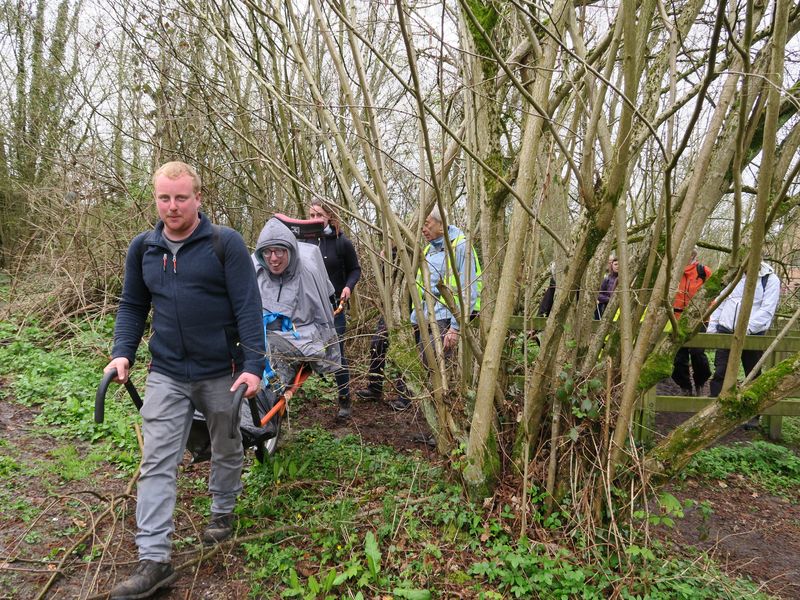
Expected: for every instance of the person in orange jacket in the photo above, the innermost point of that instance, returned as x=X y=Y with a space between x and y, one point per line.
x=694 y=276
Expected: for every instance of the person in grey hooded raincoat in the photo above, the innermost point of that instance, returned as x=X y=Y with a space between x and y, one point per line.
x=295 y=299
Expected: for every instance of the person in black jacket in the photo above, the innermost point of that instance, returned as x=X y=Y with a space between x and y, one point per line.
x=207 y=340
x=344 y=271
x=378 y=348
x=607 y=287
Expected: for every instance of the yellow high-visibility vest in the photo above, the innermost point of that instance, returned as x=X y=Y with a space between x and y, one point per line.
x=450 y=280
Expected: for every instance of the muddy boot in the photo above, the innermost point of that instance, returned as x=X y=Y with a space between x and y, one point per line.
x=370 y=393
x=400 y=404
x=752 y=425
x=219 y=528
x=403 y=401
x=148 y=577
x=345 y=408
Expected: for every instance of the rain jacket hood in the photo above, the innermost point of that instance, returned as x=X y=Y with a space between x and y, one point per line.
x=277 y=234
x=300 y=294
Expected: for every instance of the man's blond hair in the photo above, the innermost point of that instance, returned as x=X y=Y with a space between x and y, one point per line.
x=175 y=169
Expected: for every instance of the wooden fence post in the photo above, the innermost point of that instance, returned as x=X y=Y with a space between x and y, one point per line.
x=645 y=425
x=772 y=423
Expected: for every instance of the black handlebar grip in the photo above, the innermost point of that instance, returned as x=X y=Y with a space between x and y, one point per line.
x=100 y=396
x=237 y=402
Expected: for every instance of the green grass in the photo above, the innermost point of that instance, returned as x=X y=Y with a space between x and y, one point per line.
x=14 y=506
x=331 y=517
x=372 y=522
x=61 y=379
x=791 y=431
x=315 y=386
x=68 y=465
x=8 y=466
x=771 y=466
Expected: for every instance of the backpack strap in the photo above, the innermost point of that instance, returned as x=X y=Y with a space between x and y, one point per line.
x=216 y=243
x=701 y=272
x=138 y=245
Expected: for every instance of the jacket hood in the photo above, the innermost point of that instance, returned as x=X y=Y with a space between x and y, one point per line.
x=765 y=269
x=691 y=268
x=273 y=234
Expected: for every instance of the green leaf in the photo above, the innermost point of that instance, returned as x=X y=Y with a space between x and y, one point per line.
x=373 y=555
x=670 y=504
x=329 y=580
x=350 y=572
x=294 y=581
x=313 y=585
x=573 y=434
x=633 y=550
x=411 y=594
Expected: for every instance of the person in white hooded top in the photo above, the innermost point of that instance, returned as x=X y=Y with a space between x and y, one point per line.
x=725 y=315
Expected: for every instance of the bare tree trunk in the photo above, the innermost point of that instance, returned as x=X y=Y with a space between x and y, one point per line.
x=482 y=449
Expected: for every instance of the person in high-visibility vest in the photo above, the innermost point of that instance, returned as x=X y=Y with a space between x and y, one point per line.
x=467 y=269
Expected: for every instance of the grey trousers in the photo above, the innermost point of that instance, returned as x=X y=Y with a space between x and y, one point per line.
x=166 y=419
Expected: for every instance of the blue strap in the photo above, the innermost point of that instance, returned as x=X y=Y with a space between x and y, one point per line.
x=286 y=325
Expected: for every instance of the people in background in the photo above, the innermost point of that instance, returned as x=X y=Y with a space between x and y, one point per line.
x=440 y=270
x=344 y=271
x=694 y=276
x=726 y=314
x=546 y=305
x=607 y=287
x=378 y=347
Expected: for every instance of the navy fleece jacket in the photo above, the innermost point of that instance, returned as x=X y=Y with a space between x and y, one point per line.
x=206 y=315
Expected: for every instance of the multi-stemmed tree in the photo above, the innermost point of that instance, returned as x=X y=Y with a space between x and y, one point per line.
x=552 y=133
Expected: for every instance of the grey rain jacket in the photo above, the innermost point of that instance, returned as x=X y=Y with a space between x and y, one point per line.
x=302 y=293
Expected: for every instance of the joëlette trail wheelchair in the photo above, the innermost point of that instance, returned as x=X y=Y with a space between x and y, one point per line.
x=259 y=420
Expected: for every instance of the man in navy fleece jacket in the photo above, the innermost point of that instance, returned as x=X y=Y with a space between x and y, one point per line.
x=207 y=340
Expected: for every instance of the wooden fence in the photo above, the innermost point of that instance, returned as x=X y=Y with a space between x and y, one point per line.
x=653 y=403
x=772 y=418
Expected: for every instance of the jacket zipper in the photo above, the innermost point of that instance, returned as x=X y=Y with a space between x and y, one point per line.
x=177 y=313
